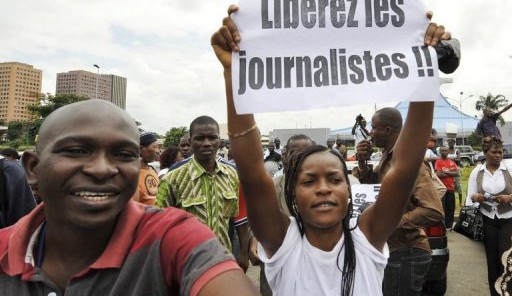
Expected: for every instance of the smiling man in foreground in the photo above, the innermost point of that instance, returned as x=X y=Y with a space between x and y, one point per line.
x=89 y=238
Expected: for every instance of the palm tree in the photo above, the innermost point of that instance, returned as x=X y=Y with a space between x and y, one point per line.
x=494 y=103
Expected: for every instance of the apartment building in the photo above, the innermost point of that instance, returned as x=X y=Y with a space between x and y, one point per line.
x=106 y=87
x=20 y=86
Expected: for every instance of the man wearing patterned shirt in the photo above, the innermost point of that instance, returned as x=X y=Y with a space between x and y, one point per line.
x=206 y=186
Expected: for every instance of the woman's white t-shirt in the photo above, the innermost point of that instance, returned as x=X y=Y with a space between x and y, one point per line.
x=298 y=268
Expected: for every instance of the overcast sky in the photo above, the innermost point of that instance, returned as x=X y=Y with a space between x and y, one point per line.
x=162 y=47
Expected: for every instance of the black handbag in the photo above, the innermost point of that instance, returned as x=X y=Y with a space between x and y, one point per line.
x=470 y=223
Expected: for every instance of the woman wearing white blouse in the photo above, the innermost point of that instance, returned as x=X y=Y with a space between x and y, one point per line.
x=490 y=186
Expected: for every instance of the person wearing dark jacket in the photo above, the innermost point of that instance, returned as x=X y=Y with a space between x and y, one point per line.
x=16 y=199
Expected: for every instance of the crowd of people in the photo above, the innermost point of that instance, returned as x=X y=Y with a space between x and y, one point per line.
x=105 y=222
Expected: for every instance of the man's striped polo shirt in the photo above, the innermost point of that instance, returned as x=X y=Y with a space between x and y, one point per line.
x=150 y=252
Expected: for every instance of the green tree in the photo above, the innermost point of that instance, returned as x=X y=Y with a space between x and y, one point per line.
x=494 y=103
x=22 y=132
x=475 y=140
x=174 y=135
x=15 y=130
x=50 y=103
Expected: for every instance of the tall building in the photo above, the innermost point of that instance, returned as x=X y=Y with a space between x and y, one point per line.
x=106 y=87
x=20 y=86
x=118 y=91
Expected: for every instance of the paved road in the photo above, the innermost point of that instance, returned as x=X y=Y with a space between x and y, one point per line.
x=467 y=271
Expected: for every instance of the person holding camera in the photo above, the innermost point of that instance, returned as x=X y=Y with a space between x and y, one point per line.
x=490 y=186
x=359 y=130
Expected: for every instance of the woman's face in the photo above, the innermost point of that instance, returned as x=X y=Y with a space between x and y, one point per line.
x=322 y=191
x=494 y=155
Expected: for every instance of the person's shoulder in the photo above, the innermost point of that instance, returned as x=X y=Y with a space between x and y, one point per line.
x=227 y=167
x=278 y=178
x=479 y=167
x=224 y=162
x=177 y=168
x=11 y=166
x=179 y=164
x=170 y=221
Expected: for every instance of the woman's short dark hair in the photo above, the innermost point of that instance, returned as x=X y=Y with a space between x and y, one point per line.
x=491 y=142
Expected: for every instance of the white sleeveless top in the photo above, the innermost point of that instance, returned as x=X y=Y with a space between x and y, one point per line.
x=298 y=268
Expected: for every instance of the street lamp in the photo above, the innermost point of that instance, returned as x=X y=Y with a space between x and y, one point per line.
x=461 y=115
x=97 y=76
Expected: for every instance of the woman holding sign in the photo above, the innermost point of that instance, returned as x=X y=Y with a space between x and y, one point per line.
x=320 y=250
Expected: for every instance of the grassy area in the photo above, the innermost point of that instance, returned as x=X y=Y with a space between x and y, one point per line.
x=464 y=175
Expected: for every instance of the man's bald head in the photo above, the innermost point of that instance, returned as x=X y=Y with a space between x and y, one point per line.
x=83 y=113
x=390 y=117
x=87 y=164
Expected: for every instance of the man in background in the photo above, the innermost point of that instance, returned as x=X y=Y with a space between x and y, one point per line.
x=206 y=186
x=487 y=127
x=16 y=198
x=446 y=169
x=410 y=253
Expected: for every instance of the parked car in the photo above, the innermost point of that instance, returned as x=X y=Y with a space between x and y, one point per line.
x=351 y=162
x=467 y=155
x=479 y=157
x=507 y=153
x=351 y=155
x=507 y=150
x=435 y=280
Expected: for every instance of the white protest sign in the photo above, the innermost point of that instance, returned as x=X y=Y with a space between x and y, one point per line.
x=363 y=193
x=305 y=54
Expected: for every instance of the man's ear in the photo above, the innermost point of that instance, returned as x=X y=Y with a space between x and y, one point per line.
x=30 y=160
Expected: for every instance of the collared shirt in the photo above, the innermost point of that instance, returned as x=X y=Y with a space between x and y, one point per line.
x=150 y=252
x=211 y=198
x=491 y=183
x=424 y=208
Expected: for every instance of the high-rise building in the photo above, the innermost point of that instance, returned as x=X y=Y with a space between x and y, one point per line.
x=118 y=91
x=20 y=86
x=106 y=87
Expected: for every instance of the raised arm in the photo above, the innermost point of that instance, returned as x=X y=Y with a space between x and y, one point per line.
x=354 y=129
x=504 y=109
x=380 y=221
x=268 y=223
